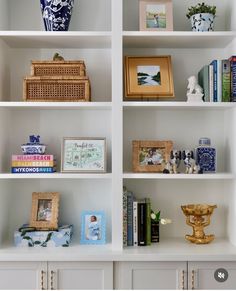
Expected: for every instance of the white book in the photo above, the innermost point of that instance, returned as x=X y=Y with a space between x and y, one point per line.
x=135 y=222
x=211 y=83
x=219 y=81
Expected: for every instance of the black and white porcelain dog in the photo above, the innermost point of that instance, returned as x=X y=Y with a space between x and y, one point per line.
x=190 y=163
x=174 y=162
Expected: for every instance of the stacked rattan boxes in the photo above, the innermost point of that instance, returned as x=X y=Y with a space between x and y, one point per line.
x=57 y=81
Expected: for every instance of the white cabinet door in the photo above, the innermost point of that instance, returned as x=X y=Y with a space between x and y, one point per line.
x=212 y=275
x=151 y=275
x=23 y=275
x=80 y=275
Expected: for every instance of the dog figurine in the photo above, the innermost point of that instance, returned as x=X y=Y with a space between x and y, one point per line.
x=174 y=162
x=190 y=163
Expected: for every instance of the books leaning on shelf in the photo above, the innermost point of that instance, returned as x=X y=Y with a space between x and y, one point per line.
x=33 y=164
x=218 y=80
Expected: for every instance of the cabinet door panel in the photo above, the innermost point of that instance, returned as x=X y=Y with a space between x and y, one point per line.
x=203 y=277
x=23 y=275
x=81 y=275
x=150 y=275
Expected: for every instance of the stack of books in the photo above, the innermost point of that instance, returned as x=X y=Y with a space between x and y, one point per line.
x=33 y=164
x=137 y=224
x=218 y=80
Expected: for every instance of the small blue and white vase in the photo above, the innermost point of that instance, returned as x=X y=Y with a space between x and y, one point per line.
x=206 y=156
x=57 y=14
x=202 y=22
x=33 y=147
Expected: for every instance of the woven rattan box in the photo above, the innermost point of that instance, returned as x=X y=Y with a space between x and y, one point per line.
x=58 y=68
x=56 y=89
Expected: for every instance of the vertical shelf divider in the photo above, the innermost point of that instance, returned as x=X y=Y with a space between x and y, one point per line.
x=117 y=126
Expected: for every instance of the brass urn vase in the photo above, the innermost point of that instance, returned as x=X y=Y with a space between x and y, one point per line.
x=199 y=216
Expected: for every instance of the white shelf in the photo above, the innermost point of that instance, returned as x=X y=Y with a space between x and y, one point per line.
x=178 y=105
x=177 y=39
x=57 y=105
x=216 y=176
x=172 y=249
x=56 y=176
x=55 y=39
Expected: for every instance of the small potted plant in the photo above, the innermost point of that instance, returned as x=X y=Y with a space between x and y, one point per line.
x=202 y=17
x=156 y=220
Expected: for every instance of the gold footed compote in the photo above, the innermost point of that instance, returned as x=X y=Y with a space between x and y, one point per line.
x=199 y=216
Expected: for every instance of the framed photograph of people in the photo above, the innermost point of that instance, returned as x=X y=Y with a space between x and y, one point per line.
x=83 y=155
x=45 y=208
x=148 y=77
x=156 y=15
x=93 y=227
x=151 y=156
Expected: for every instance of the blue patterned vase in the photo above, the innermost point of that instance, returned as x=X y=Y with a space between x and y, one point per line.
x=206 y=156
x=56 y=14
x=202 y=22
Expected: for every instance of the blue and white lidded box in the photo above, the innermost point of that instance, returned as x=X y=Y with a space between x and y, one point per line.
x=206 y=156
x=50 y=238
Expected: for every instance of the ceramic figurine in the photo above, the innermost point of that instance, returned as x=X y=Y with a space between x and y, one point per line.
x=33 y=147
x=173 y=164
x=206 y=155
x=194 y=90
x=190 y=163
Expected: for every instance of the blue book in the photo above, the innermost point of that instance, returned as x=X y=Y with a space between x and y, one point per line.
x=130 y=200
x=233 y=78
x=215 y=84
x=32 y=170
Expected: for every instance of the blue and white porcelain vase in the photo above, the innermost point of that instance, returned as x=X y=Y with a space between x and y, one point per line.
x=206 y=156
x=202 y=22
x=57 y=14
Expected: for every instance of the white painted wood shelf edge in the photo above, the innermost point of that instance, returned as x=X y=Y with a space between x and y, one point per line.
x=56 y=176
x=213 y=176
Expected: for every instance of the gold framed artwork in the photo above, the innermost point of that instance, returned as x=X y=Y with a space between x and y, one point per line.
x=148 y=77
x=45 y=209
x=155 y=15
x=151 y=156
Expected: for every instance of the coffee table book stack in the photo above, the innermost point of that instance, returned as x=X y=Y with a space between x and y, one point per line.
x=57 y=80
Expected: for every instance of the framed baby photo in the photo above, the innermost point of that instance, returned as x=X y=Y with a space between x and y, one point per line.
x=83 y=155
x=45 y=208
x=148 y=77
x=151 y=156
x=156 y=15
x=93 y=227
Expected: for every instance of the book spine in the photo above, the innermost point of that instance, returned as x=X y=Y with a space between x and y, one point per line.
x=32 y=158
x=135 y=222
x=32 y=164
x=203 y=80
x=25 y=170
x=155 y=232
x=215 y=85
x=233 y=79
x=226 y=81
x=148 y=221
x=142 y=224
x=211 y=83
x=219 y=81
x=125 y=218
x=130 y=199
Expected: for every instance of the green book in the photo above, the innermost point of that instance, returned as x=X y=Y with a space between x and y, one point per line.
x=148 y=221
x=226 y=81
x=203 y=80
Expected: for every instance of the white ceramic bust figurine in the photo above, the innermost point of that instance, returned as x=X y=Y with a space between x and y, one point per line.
x=195 y=91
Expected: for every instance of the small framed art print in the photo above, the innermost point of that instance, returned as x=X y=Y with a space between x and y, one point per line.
x=93 y=227
x=156 y=15
x=148 y=77
x=45 y=208
x=83 y=155
x=151 y=156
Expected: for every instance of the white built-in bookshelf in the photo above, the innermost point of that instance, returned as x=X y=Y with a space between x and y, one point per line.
x=101 y=33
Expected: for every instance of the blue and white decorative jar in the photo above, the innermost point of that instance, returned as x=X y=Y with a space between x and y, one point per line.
x=57 y=14
x=33 y=147
x=206 y=156
x=202 y=22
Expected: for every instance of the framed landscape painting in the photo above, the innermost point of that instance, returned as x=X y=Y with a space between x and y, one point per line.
x=156 y=15
x=148 y=77
x=83 y=155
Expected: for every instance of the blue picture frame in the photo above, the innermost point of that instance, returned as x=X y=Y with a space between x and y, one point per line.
x=93 y=227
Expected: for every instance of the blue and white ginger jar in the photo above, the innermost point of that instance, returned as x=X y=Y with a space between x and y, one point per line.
x=57 y=14
x=202 y=22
